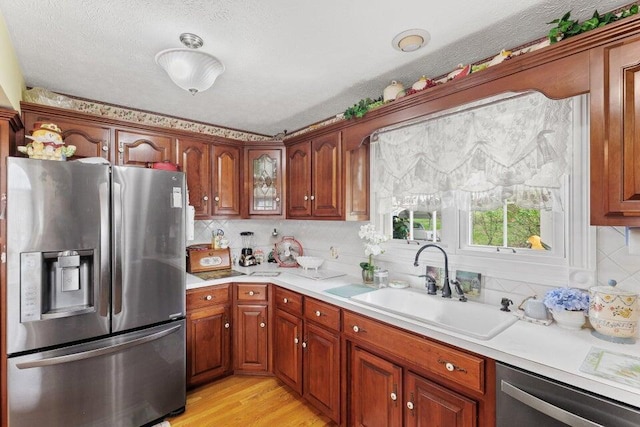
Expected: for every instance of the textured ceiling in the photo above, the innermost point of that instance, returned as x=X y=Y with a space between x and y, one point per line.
x=289 y=63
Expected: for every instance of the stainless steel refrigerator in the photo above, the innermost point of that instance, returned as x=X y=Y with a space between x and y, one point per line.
x=95 y=294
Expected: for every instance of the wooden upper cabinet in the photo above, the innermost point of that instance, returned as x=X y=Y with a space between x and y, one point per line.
x=90 y=139
x=356 y=176
x=326 y=172
x=615 y=133
x=226 y=176
x=314 y=178
x=138 y=148
x=299 y=180
x=193 y=158
x=264 y=181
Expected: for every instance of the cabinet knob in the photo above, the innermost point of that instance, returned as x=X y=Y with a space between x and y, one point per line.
x=251 y=293
x=285 y=300
x=394 y=396
x=262 y=324
x=105 y=148
x=356 y=329
x=217 y=198
x=410 y=405
x=313 y=197
x=296 y=340
x=205 y=198
x=318 y=313
x=277 y=199
x=306 y=198
x=450 y=366
x=304 y=344
x=227 y=325
x=208 y=297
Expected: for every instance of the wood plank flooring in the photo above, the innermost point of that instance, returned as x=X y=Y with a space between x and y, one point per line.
x=247 y=401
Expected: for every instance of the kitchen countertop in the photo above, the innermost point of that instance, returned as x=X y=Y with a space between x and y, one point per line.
x=546 y=350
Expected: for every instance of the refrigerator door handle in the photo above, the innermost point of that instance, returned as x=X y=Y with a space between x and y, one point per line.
x=118 y=225
x=97 y=352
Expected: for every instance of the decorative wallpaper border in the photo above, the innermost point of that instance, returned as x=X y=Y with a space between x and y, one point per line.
x=46 y=97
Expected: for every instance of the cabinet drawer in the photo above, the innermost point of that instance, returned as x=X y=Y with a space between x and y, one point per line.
x=252 y=292
x=446 y=362
x=322 y=313
x=205 y=297
x=288 y=301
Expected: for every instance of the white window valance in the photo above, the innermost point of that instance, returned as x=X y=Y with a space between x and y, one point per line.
x=478 y=156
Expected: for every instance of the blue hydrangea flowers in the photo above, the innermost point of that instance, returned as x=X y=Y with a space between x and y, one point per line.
x=567 y=299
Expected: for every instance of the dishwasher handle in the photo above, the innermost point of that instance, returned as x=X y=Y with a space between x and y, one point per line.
x=545 y=407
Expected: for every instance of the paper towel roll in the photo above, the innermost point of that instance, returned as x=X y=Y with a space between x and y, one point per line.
x=190 y=223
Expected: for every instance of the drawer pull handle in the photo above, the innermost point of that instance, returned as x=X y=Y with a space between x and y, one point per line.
x=357 y=329
x=227 y=325
x=318 y=313
x=450 y=366
x=285 y=300
x=262 y=324
x=394 y=397
x=252 y=293
x=208 y=298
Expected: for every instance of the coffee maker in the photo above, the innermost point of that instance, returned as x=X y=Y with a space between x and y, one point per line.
x=246 y=255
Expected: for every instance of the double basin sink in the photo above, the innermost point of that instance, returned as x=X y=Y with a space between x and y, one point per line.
x=480 y=321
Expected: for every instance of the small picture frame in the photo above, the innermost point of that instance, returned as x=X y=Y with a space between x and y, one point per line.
x=470 y=282
x=438 y=275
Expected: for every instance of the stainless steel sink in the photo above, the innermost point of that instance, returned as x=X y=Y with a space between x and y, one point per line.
x=470 y=318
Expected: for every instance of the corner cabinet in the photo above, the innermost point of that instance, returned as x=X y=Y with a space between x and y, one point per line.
x=615 y=133
x=264 y=181
x=314 y=178
x=208 y=334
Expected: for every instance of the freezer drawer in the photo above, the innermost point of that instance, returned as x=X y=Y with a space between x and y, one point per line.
x=128 y=380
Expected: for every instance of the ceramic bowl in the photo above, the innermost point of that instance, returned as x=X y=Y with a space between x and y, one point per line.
x=613 y=312
x=307 y=262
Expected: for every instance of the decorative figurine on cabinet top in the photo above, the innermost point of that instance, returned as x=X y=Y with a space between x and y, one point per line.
x=47 y=143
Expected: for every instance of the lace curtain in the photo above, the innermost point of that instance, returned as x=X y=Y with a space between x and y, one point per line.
x=477 y=157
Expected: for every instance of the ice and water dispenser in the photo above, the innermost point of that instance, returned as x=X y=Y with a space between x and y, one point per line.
x=56 y=284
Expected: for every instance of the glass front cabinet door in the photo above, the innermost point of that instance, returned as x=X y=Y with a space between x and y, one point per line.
x=265 y=192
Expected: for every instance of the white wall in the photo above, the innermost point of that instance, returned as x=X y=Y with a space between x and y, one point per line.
x=11 y=80
x=317 y=237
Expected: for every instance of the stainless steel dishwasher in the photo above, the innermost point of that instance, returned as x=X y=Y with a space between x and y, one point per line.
x=525 y=399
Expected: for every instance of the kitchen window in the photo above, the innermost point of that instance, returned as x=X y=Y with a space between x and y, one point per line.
x=504 y=178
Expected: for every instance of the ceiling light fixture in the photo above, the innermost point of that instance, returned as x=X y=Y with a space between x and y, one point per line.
x=410 y=40
x=190 y=69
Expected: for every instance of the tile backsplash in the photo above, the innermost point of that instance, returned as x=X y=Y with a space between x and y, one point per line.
x=338 y=243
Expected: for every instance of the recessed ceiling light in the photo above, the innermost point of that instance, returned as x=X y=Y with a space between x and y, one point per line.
x=410 y=40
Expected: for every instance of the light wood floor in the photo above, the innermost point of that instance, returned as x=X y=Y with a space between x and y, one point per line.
x=247 y=401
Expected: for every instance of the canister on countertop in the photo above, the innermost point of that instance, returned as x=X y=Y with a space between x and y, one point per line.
x=381 y=278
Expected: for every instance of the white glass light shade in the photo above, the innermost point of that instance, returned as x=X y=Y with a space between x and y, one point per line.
x=190 y=69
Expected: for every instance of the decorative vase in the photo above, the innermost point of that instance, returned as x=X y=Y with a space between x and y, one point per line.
x=367 y=276
x=567 y=319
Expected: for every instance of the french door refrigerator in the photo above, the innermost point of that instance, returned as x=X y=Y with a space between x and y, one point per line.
x=95 y=294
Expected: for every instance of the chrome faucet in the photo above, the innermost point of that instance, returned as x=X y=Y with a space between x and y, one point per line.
x=446 y=289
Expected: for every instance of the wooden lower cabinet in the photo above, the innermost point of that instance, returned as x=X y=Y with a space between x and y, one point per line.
x=375 y=392
x=287 y=348
x=431 y=405
x=321 y=369
x=251 y=337
x=208 y=334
